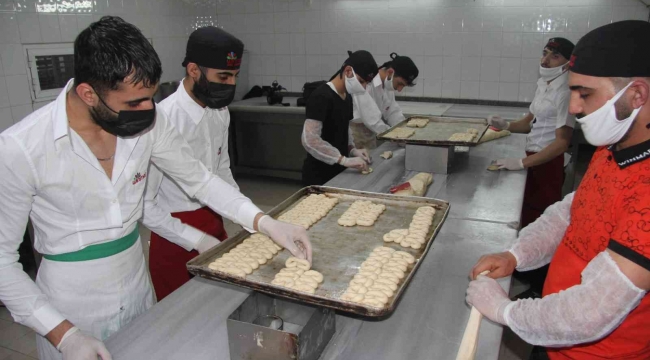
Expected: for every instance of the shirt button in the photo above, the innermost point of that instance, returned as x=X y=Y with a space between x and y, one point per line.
x=114 y=201
x=609 y=158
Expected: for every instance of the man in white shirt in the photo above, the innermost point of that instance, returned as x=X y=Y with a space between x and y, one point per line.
x=77 y=167
x=376 y=110
x=198 y=109
x=549 y=127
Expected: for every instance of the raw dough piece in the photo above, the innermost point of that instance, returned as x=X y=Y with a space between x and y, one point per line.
x=417 y=185
x=461 y=137
x=367 y=172
x=387 y=155
x=299 y=263
x=309 y=210
x=493 y=167
x=472 y=131
x=400 y=133
x=361 y=212
x=417 y=122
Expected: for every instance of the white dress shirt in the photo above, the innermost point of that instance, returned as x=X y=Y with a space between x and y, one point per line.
x=389 y=114
x=550 y=107
x=48 y=173
x=206 y=131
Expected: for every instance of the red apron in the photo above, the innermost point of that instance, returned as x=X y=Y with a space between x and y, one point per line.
x=611 y=204
x=543 y=188
x=167 y=260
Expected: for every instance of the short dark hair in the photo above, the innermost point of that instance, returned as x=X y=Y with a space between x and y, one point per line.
x=109 y=50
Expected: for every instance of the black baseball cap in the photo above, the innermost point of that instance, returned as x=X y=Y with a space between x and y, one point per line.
x=619 y=49
x=404 y=67
x=214 y=48
x=561 y=46
x=363 y=63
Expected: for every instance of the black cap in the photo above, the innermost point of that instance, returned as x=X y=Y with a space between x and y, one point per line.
x=404 y=67
x=214 y=48
x=363 y=64
x=620 y=49
x=561 y=46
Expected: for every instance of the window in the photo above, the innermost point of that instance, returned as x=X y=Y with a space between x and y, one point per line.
x=50 y=68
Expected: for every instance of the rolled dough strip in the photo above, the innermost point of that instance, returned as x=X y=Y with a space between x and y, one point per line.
x=469 y=343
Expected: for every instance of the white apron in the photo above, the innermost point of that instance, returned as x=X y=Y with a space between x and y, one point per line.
x=98 y=296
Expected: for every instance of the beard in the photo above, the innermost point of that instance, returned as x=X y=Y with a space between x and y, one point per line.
x=101 y=114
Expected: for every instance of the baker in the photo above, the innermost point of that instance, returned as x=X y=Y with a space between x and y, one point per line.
x=78 y=167
x=376 y=110
x=326 y=133
x=181 y=226
x=549 y=127
x=597 y=240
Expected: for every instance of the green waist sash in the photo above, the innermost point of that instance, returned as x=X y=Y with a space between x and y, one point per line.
x=99 y=251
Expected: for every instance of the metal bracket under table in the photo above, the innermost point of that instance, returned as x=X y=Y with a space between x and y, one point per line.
x=431 y=159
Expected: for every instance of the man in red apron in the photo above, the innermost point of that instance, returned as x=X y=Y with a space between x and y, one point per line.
x=181 y=226
x=549 y=128
x=597 y=240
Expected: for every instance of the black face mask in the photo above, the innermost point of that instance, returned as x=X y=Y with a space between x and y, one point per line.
x=213 y=95
x=126 y=123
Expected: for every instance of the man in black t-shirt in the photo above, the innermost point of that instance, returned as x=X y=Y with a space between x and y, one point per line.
x=326 y=135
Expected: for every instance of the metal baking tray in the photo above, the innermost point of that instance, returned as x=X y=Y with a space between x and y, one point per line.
x=438 y=131
x=337 y=251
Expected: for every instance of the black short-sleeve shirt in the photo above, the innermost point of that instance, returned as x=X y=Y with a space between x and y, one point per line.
x=326 y=106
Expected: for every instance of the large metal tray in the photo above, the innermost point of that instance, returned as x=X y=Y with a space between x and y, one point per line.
x=438 y=131
x=337 y=252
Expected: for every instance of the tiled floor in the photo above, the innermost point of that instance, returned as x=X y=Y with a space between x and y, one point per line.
x=17 y=342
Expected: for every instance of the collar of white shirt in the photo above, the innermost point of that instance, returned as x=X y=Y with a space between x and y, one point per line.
x=188 y=104
x=377 y=81
x=59 y=116
x=557 y=83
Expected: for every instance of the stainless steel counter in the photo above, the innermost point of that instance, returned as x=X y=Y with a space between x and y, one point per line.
x=429 y=320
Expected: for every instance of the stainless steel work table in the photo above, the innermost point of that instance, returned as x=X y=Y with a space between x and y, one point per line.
x=432 y=314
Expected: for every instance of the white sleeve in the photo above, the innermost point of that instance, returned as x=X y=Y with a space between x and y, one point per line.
x=563 y=116
x=538 y=241
x=18 y=188
x=366 y=110
x=172 y=155
x=224 y=170
x=580 y=314
x=394 y=113
x=161 y=221
x=316 y=146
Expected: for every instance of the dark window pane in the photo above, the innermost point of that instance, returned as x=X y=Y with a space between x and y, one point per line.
x=54 y=71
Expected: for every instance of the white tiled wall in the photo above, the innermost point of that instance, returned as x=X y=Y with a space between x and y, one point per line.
x=167 y=22
x=474 y=49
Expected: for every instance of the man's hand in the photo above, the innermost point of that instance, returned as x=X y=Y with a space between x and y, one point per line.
x=498 y=123
x=488 y=297
x=362 y=153
x=499 y=264
x=355 y=163
x=79 y=346
x=206 y=243
x=291 y=237
x=511 y=164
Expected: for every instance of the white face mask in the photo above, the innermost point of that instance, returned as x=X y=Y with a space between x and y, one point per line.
x=353 y=86
x=388 y=83
x=602 y=127
x=549 y=74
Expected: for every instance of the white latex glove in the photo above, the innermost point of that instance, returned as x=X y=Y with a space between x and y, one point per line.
x=362 y=153
x=498 y=123
x=538 y=241
x=581 y=314
x=355 y=163
x=488 y=297
x=76 y=345
x=206 y=243
x=291 y=237
x=510 y=164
